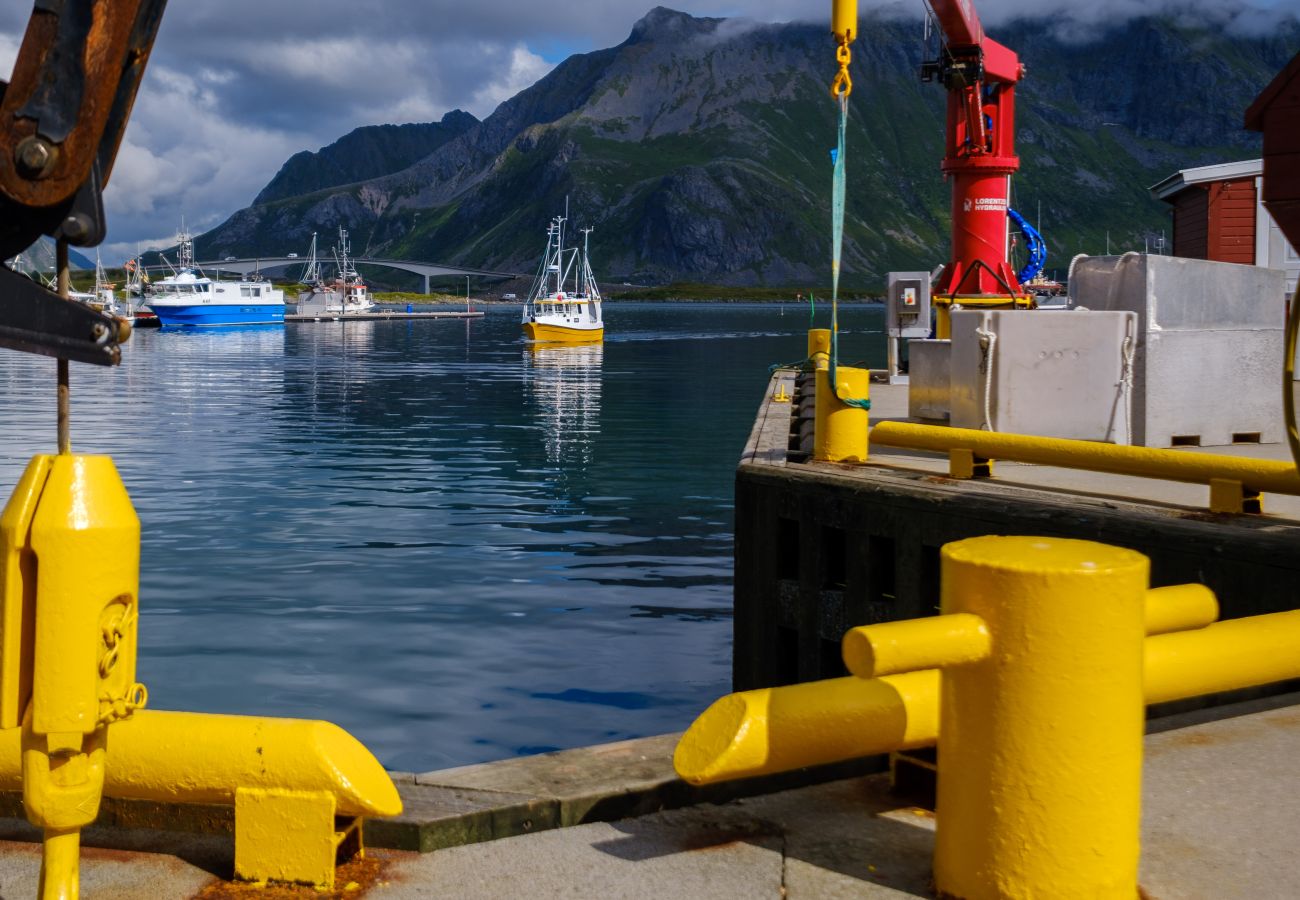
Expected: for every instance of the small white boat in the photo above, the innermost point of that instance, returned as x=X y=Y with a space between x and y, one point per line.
x=554 y=313
x=345 y=293
x=103 y=298
x=190 y=298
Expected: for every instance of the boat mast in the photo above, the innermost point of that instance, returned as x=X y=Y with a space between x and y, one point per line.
x=311 y=274
x=586 y=260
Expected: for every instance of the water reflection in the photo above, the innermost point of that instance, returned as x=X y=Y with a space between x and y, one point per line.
x=564 y=384
x=349 y=521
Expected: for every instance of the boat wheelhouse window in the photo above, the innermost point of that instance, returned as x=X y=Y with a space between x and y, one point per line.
x=257 y=292
x=245 y=291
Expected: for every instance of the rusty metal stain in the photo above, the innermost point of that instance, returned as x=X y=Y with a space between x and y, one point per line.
x=353 y=879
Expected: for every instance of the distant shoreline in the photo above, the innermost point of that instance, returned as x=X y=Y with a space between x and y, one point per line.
x=399 y=300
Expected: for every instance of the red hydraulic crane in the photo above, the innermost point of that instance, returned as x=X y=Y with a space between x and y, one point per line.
x=980 y=76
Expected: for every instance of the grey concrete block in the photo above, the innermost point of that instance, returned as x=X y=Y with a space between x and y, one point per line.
x=1208 y=364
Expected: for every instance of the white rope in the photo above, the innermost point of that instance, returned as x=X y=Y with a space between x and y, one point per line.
x=1128 y=350
x=988 y=342
x=1069 y=275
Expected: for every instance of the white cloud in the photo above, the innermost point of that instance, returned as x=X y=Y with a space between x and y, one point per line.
x=525 y=68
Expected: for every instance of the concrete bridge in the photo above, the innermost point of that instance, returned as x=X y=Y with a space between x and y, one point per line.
x=279 y=263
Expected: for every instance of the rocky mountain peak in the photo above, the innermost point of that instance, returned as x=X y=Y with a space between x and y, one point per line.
x=698 y=150
x=662 y=23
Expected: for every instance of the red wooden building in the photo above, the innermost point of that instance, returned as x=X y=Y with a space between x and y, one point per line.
x=1214 y=211
x=1219 y=214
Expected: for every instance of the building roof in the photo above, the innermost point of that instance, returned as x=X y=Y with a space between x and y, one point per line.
x=1184 y=178
x=1270 y=94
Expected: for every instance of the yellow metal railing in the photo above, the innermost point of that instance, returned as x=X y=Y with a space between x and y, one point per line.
x=1032 y=682
x=1235 y=483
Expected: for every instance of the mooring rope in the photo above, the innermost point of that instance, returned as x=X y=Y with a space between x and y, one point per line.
x=837 y=245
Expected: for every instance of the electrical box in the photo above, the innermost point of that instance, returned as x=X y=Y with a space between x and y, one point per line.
x=907 y=305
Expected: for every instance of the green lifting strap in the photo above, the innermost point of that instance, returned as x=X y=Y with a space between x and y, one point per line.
x=837 y=243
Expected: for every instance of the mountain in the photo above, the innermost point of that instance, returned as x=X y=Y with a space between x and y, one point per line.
x=698 y=149
x=40 y=258
x=363 y=154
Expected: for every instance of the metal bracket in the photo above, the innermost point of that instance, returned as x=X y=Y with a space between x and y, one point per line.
x=965 y=464
x=84 y=225
x=37 y=320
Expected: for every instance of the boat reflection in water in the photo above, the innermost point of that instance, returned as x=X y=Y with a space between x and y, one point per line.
x=564 y=381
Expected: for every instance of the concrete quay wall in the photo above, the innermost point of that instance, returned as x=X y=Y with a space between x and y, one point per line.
x=821 y=548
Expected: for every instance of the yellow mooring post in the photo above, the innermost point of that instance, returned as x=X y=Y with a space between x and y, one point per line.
x=1041 y=707
x=69 y=728
x=71 y=561
x=819 y=347
x=840 y=430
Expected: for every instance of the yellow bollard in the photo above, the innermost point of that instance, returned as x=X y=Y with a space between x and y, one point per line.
x=840 y=430
x=70 y=542
x=1041 y=743
x=819 y=347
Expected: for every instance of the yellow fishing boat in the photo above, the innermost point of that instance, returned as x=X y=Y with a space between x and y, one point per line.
x=554 y=313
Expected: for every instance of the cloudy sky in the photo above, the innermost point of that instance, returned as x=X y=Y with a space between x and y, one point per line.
x=236 y=87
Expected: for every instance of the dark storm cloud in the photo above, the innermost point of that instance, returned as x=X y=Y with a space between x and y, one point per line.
x=236 y=87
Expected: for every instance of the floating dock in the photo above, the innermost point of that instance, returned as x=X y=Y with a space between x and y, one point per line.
x=382 y=316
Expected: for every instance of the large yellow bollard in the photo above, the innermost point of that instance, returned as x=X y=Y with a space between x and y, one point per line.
x=840 y=430
x=1041 y=741
x=819 y=347
x=70 y=542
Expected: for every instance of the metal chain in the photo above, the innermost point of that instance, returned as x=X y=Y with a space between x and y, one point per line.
x=842 y=86
x=114 y=633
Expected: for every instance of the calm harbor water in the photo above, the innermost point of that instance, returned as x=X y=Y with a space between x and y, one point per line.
x=456 y=547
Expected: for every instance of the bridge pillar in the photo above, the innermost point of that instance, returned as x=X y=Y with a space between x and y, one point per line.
x=426 y=284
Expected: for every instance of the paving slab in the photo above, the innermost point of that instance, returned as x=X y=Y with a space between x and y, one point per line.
x=1221 y=809
x=1221 y=801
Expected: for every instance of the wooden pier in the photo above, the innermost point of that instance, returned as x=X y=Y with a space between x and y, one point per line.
x=382 y=316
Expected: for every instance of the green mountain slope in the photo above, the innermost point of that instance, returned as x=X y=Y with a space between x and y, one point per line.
x=698 y=149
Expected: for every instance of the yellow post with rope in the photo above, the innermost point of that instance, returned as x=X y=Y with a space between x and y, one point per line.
x=840 y=428
x=71 y=558
x=819 y=347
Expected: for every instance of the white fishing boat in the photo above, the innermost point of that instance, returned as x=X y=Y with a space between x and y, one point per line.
x=189 y=298
x=103 y=297
x=345 y=293
x=553 y=311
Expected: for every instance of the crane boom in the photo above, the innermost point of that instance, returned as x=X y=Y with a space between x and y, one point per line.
x=959 y=22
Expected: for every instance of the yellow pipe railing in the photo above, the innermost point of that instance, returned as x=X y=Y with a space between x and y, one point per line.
x=771 y=730
x=185 y=757
x=780 y=729
x=1032 y=682
x=1230 y=478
